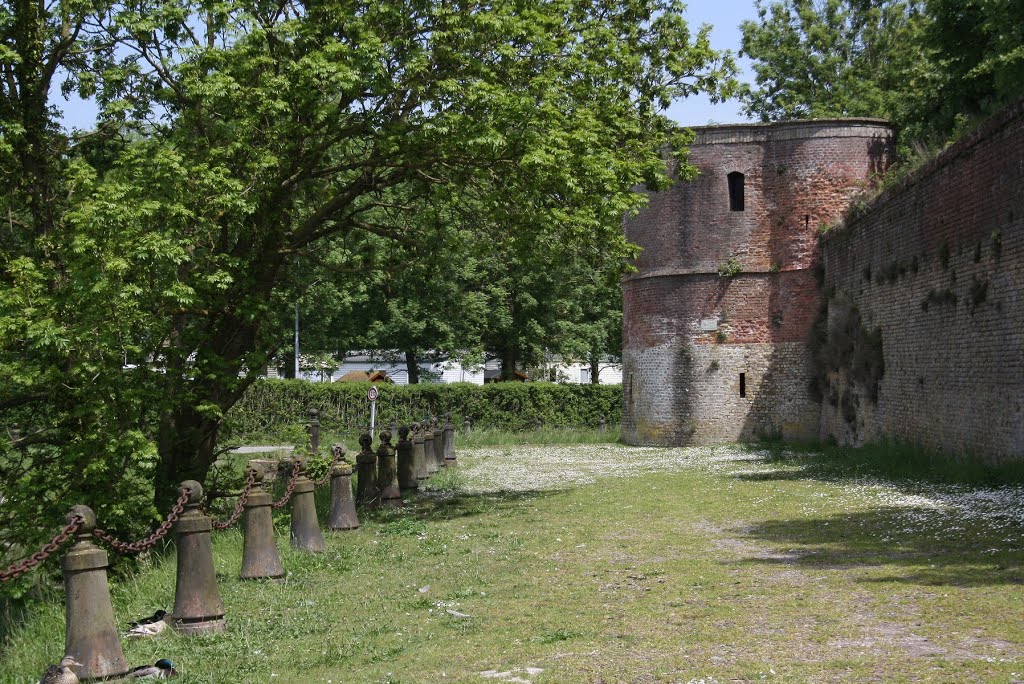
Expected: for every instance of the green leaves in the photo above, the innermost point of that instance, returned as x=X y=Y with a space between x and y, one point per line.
x=445 y=169
x=930 y=66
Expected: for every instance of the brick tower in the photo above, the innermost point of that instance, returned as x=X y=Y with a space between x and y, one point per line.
x=717 y=316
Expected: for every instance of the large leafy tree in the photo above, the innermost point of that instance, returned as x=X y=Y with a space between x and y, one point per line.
x=236 y=141
x=933 y=67
x=829 y=58
x=977 y=49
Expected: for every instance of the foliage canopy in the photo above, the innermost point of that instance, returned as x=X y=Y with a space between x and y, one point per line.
x=244 y=150
x=932 y=67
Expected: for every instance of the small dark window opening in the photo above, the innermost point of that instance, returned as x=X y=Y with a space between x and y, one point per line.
x=735 y=191
x=743 y=384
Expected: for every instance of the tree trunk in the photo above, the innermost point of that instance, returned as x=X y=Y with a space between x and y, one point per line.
x=412 y=367
x=595 y=370
x=508 y=363
x=185 y=443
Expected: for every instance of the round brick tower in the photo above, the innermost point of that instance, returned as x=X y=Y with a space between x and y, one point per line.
x=717 y=316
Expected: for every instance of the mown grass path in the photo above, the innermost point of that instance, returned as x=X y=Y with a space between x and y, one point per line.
x=603 y=564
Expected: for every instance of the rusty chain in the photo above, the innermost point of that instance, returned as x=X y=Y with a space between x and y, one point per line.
x=250 y=482
x=151 y=540
x=327 y=476
x=290 y=488
x=47 y=550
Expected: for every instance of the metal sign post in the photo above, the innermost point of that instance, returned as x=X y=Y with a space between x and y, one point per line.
x=372 y=395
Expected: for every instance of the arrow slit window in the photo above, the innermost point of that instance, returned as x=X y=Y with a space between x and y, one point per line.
x=735 y=191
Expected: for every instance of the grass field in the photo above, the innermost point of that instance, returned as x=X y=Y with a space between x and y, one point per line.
x=600 y=563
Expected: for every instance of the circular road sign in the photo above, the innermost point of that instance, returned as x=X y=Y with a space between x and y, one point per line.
x=372 y=394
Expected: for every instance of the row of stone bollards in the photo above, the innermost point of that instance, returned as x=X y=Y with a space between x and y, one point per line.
x=385 y=475
x=91 y=637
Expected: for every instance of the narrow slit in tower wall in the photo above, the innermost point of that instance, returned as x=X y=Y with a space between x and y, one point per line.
x=736 y=181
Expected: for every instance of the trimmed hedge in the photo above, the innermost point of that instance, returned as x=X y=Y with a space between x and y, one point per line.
x=270 y=405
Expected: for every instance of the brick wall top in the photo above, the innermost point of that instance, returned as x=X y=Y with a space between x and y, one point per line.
x=791 y=130
x=1009 y=116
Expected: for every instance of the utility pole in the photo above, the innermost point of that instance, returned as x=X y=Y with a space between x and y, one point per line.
x=296 y=339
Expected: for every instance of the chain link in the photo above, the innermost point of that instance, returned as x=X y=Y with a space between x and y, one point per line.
x=150 y=541
x=47 y=550
x=291 y=486
x=250 y=482
x=327 y=476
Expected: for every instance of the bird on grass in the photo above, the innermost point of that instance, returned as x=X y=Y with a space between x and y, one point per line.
x=61 y=674
x=150 y=626
x=161 y=669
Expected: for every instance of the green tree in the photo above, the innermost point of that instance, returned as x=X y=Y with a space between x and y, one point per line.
x=932 y=67
x=235 y=142
x=977 y=49
x=832 y=58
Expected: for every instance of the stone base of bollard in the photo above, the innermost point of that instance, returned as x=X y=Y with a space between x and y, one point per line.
x=197 y=604
x=183 y=626
x=90 y=636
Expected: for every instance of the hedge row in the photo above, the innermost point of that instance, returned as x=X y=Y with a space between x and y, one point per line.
x=270 y=405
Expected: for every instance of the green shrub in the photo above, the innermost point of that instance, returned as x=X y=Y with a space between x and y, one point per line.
x=271 y=407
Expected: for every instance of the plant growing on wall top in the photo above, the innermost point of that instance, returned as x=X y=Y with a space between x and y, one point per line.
x=730 y=268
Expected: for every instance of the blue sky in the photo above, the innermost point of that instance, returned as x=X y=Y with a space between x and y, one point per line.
x=723 y=15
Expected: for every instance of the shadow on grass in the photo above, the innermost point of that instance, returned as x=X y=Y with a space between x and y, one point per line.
x=914 y=549
x=892 y=461
x=442 y=505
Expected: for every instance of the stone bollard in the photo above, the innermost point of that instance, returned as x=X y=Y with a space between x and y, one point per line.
x=394 y=428
x=366 y=462
x=419 y=459
x=91 y=634
x=467 y=427
x=197 y=605
x=259 y=548
x=387 y=473
x=448 y=441
x=438 y=442
x=406 y=466
x=314 y=432
x=601 y=424
x=538 y=424
x=305 y=531
x=343 y=507
x=428 y=447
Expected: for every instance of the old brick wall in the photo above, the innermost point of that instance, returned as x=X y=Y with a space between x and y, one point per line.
x=690 y=333
x=936 y=264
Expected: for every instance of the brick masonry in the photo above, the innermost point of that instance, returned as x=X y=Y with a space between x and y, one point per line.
x=690 y=333
x=936 y=264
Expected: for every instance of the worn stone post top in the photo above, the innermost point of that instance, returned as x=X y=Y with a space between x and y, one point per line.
x=403 y=433
x=338 y=451
x=258 y=473
x=88 y=519
x=289 y=463
x=385 y=439
x=195 y=496
x=366 y=455
x=417 y=434
x=341 y=469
